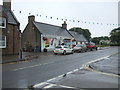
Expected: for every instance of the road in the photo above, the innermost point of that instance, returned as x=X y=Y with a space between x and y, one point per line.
x=47 y=66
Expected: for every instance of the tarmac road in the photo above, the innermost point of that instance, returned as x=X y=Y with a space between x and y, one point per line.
x=47 y=66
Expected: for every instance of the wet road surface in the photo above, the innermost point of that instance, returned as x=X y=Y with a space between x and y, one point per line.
x=47 y=66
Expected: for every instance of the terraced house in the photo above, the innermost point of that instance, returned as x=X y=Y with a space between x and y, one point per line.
x=38 y=36
x=9 y=30
x=78 y=38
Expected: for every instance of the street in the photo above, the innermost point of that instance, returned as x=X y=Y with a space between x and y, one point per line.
x=47 y=66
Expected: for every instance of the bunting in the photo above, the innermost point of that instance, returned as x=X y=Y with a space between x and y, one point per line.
x=74 y=21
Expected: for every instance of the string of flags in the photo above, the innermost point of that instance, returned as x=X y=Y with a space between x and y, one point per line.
x=70 y=20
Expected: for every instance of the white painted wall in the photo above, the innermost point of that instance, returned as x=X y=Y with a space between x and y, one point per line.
x=55 y=42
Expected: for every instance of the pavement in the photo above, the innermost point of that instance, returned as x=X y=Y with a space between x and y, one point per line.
x=109 y=65
x=16 y=58
x=100 y=74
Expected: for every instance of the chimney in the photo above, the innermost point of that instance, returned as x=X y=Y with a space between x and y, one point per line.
x=7 y=4
x=64 y=25
x=31 y=19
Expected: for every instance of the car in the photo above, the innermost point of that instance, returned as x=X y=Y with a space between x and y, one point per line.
x=80 y=48
x=63 y=50
x=91 y=46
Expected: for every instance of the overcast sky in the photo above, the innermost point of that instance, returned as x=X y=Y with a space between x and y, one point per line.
x=99 y=16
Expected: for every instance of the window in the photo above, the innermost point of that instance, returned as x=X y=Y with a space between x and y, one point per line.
x=2 y=41
x=66 y=47
x=2 y=22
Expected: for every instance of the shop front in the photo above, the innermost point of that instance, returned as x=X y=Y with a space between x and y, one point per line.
x=50 y=42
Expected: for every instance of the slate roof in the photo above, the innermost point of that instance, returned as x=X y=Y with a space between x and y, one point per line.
x=77 y=36
x=10 y=16
x=48 y=29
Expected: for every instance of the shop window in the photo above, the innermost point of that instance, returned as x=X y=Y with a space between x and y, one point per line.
x=2 y=41
x=2 y=22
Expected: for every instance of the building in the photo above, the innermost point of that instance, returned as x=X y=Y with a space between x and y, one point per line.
x=37 y=35
x=78 y=38
x=9 y=30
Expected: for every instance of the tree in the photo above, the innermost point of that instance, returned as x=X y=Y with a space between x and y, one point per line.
x=97 y=40
x=85 y=32
x=115 y=36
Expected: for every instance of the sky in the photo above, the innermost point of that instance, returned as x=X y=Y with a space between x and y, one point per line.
x=99 y=16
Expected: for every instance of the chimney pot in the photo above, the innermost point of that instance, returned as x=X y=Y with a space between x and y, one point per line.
x=31 y=18
x=64 y=25
x=7 y=4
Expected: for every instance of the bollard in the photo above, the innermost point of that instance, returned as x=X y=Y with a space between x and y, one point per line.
x=20 y=54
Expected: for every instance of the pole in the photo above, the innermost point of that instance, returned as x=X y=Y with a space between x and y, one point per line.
x=20 y=53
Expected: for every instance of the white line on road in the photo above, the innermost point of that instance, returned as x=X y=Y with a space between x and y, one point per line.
x=46 y=82
x=40 y=84
x=58 y=85
x=51 y=79
x=49 y=86
x=83 y=66
x=32 y=66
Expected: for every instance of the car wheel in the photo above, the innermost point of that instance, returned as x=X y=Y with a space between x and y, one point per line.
x=72 y=52
x=96 y=48
x=81 y=50
x=91 y=49
x=64 y=52
x=55 y=53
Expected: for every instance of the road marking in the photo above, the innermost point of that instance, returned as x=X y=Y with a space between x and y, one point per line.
x=51 y=79
x=84 y=66
x=70 y=72
x=32 y=66
x=46 y=82
x=75 y=70
x=51 y=85
x=40 y=84
x=27 y=67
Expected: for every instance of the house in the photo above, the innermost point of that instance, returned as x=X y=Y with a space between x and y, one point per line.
x=9 y=30
x=37 y=35
x=78 y=38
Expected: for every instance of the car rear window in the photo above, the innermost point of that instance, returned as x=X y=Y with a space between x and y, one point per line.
x=78 y=45
x=66 y=47
x=58 y=47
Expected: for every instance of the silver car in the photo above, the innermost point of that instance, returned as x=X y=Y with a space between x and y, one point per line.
x=63 y=50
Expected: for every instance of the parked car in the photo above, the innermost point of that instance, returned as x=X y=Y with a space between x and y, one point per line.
x=80 y=48
x=62 y=50
x=91 y=46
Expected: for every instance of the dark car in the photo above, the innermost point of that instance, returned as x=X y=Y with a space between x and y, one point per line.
x=80 y=48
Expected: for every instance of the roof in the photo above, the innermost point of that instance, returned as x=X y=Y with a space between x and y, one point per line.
x=48 y=29
x=77 y=36
x=10 y=15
